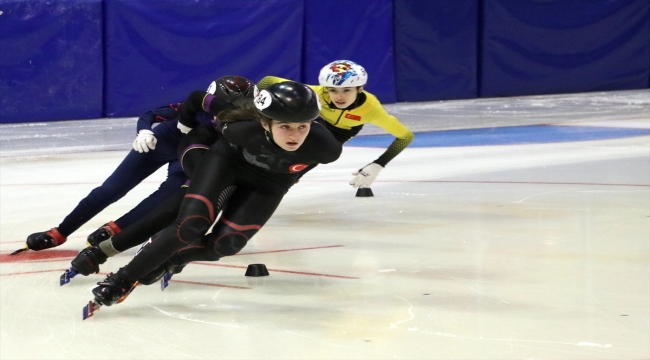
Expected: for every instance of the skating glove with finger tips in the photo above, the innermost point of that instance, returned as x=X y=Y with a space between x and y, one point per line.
x=145 y=141
x=365 y=176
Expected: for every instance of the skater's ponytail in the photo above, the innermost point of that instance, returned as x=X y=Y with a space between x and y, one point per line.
x=246 y=111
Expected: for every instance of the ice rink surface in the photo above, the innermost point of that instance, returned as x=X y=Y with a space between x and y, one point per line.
x=493 y=238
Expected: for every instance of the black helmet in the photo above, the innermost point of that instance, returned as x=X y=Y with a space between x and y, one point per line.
x=234 y=89
x=288 y=101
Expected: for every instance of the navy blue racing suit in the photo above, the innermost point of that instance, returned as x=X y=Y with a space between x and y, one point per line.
x=134 y=169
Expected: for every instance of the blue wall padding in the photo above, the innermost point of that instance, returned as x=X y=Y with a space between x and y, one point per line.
x=87 y=59
x=436 y=49
x=542 y=47
x=361 y=31
x=50 y=60
x=160 y=51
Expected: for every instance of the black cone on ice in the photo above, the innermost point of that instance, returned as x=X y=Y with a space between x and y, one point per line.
x=364 y=192
x=257 y=270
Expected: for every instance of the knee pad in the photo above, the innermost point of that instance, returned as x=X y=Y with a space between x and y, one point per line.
x=228 y=238
x=192 y=228
x=229 y=244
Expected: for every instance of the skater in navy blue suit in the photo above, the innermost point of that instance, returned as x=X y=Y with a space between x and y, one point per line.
x=153 y=147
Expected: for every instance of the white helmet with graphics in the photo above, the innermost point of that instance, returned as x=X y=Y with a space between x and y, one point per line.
x=342 y=73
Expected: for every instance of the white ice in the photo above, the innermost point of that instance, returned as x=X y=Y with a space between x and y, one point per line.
x=536 y=251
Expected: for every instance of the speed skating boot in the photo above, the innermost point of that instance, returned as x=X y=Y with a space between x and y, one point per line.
x=105 y=232
x=45 y=240
x=88 y=260
x=115 y=288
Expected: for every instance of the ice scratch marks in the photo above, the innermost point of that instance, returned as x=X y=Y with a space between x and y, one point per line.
x=319 y=340
x=512 y=341
x=410 y=311
x=189 y=317
x=463 y=282
x=585 y=343
x=487 y=295
x=572 y=193
x=536 y=195
x=216 y=295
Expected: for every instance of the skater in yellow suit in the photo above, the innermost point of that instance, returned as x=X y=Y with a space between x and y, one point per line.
x=346 y=107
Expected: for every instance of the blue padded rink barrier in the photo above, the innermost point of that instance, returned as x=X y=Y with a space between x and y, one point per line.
x=513 y=228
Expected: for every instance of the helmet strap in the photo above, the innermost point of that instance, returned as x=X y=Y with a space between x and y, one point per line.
x=268 y=133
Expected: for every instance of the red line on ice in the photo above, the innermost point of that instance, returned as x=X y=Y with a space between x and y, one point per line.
x=278 y=270
x=210 y=284
x=296 y=249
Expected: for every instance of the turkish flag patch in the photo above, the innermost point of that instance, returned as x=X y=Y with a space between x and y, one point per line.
x=297 y=167
x=353 y=117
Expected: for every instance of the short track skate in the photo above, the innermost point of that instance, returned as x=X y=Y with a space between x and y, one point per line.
x=89 y=310
x=164 y=282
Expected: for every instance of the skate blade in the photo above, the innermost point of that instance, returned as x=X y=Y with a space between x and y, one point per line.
x=128 y=293
x=66 y=276
x=89 y=310
x=20 y=250
x=164 y=282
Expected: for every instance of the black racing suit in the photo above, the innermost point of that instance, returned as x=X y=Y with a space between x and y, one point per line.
x=246 y=175
x=190 y=151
